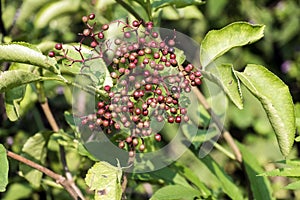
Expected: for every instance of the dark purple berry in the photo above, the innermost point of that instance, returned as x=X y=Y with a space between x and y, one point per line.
x=92 y=16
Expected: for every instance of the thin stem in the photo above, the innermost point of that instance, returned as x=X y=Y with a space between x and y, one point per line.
x=130 y=9
x=55 y=128
x=226 y=135
x=59 y=179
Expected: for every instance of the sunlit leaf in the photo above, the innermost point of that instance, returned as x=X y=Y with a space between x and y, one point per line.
x=3 y=169
x=25 y=53
x=156 y=4
x=174 y=192
x=287 y=171
x=218 y=42
x=55 y=9
x=13 y=99
x=293 y=186
x=105 y=179
x=35 y=150
x=276 y=100
x=224 y=75
x=15 y=78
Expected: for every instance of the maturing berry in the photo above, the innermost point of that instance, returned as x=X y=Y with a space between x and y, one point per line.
x=131 y=153
x=107 y=88
x=51 y=54
x=171 y=43
x=121 y=144
x=129 y=139
x=198 y=81
x=105 y=27
x=154 y=34
x=157 y=137
x=58 y=46
x=94 y=44
x=127 y=34
x=171 y=119
x=142 y=147
x=86 y=32
x=85 y=19
x=136 y=23
x=100 y=35
x=92 y=16
x=149 y=25
x=178 y=119
x=135 y=141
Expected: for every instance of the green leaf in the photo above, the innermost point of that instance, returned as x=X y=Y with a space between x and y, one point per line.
x=13 y=99
x=218 y=42
x=156 y=4
x=260 y=186
x=276 y=100
x=105 y=179
x=15 y=78
x=35 y=150
x=192 y=178
x=288 y=172
x=224 y=75
x=174 y=192
x=55 y=9
x=3 y=169
x=18 y=191
x=25 y=53
x=293 y=186
x=227 y=184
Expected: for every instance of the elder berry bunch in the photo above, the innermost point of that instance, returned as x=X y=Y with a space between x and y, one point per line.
x=149 y=81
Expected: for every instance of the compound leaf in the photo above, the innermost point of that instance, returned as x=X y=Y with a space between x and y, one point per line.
x=3 y=169
x=22 y=52
x=105 y=179
x=218 y=42
x=276 y=99
x=224 y=75
x=15 y=78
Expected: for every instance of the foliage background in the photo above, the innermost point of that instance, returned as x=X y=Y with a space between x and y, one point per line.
x=32 y=21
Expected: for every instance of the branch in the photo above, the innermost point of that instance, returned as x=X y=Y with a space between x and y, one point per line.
x=226 y=135
x=59 y=179
x=55 y=128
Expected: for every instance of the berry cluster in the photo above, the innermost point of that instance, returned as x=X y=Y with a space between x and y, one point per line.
x=149 y=81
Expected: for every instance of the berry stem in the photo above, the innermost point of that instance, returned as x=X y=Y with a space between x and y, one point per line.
x=226 y=135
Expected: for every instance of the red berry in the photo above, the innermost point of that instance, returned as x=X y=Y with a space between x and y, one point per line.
x=107 y=88
x=198 y=81
x=127 y=34
x=131 y=153
x=135 y=142
x=51 y=54
x=136 y=23
x=178 y=119
x=105 y=27
x=171 y=119
x=157 y=137
x=94 y=44
x=142 y=147
x=58 y=46
x=129 y=139
x=100 y=35
x=121 y=144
